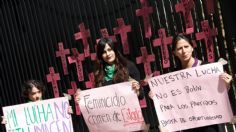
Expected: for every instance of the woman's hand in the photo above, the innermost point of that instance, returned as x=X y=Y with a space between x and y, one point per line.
x=233 y=120
x=69 y=110
x=135 y=86
x=4 y=120
x=163 y=129
x=227 y=79
x=77 y=95
x=151 y=94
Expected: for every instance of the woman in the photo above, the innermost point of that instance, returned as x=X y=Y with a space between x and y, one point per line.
x=33 y=90
x=183 y=50
x=111 y=67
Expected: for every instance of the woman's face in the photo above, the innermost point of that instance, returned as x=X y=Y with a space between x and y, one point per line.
x=108 y=55
x=35 y=94
x=183 y=50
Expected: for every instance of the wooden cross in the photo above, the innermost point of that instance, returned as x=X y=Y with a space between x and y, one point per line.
x=123 y=29
x=207 y=34
x=143 y=103
x=90 y=83
x=185 y=6
x=144 y=12
x=53 y=78
x=146 y=60
x=93 y=56
x=84 y=35
x=77 y=59
x=72 y=91
x=210 y=6
x=62 y=54
x=105 y=34
x=163 y=41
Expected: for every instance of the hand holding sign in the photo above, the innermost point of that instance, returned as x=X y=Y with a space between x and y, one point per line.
x=117 y=109
x=191 y=98
x=3 y=120
x=40 y=116
x=226 y=78
x=77 y=95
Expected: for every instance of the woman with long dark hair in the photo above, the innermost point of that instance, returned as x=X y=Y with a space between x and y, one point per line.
x=183 y=51
x=111 y=67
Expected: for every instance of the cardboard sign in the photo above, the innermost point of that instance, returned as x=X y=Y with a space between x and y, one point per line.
x=111 y=108
x=191 y=98
x=41 y=116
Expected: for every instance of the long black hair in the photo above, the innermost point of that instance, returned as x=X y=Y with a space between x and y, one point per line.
x=176 y=38
x=29 y=84
x=179 y=37
x=121 y=72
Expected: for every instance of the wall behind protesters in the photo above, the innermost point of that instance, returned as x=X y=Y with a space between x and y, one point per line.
x=31 y=30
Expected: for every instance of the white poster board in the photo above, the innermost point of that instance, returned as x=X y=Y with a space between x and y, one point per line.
x=111 y=108
x=41 y=116
x=191 y=98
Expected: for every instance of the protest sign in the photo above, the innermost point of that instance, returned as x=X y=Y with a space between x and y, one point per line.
x=191 y=98
x=111 y=108
x=41 y=116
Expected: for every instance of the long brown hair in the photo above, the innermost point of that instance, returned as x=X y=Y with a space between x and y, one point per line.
x=121 y=72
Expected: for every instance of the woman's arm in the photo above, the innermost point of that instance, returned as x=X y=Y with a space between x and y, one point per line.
x=135 y=75
x=3 y=120
x=227 y=79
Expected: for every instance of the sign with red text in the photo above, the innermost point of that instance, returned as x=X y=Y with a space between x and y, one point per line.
x=191 y=98
x=111 y=108
x=41 y=116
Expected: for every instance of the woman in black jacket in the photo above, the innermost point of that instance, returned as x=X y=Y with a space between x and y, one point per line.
x=111 y=67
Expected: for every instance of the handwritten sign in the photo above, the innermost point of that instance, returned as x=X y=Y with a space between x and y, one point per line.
x=111 y=108
x=41 y=116
x=191 y=98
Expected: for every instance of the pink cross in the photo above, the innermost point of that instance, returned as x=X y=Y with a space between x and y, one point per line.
x=185 y=7
x=93 y=56
x=144 y=12
x=53 y=78
x=146 y=60
x=90 y=83
x=143 y=103
x=122 y=29
x=77 y=59
x=207 y=34
x=62 y=54
x=72 y=91
x=210 y=6
x=163 y=41
x=83 y=34
x=105 y=34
